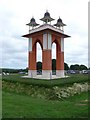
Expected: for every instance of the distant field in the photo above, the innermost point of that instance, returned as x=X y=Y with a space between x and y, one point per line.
x=79 y=78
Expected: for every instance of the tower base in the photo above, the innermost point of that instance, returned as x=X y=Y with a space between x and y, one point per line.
x=32 y=73
x=46 y=74
x=60 y=73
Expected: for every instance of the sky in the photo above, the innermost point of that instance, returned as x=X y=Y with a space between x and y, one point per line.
x=15 y=14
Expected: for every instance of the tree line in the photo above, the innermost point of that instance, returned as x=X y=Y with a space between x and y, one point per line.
x=7 y=70
x=66 y=66
x=39 y=67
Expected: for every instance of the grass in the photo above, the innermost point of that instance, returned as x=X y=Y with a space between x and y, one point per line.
x=22 y=106
x=19 y=105
x=79 y=78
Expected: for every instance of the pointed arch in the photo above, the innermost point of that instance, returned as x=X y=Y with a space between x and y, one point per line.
x=37 y=41
x=38 y=55
x=53 y=58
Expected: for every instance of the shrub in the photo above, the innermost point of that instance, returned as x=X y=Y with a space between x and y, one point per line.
x=70 y=91
x=54 y=93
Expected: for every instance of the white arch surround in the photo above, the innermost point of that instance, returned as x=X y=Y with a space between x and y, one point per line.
x=49 y=41
x=53 y=55
x=45 y=41
x=53 y=50
x=30 y=44
x=62 y=44
x=38 y=52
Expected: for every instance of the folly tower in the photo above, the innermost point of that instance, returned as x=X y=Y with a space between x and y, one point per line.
x=46 y=34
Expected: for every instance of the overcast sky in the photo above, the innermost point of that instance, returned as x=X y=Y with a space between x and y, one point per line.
x=15 y=14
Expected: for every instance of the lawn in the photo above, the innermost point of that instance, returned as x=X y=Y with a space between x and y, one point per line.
x=23 y=106
x=78 y=78
x=19 y=105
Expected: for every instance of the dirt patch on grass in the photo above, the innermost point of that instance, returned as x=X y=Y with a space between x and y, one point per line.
x=80 y=104
x=83 y=102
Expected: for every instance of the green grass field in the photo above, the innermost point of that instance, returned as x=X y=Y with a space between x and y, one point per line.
x=19 y=105
x=22 y=106
x=78 y=78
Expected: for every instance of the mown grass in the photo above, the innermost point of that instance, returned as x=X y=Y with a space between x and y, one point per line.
x=19 y=105
x=78 y=78
x=23 y=106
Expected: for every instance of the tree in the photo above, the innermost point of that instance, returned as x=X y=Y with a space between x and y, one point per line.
x=66 y=67
x=83 y=67
x=53 y=64
x=71 y=67
x=26 y=70
x=78 y=67
x=74 y=67
x=39 y=65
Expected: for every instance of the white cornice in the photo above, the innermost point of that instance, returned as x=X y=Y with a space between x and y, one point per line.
x=45 y=26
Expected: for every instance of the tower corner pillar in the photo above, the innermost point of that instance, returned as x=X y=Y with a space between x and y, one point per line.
x=47 y=61
x=60 y=60
x=31 y=60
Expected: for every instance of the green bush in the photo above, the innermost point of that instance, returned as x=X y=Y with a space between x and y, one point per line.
x=53 y=93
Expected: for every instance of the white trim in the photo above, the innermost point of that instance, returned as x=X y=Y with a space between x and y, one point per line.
x=49 y=41
x=32 y=73
x=60 y=73
x=47 y=74
x=45 y=41
x=62 y=44
x=30 y=44
x=45 y=26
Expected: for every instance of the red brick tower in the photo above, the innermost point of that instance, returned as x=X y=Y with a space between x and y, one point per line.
x=46 y=34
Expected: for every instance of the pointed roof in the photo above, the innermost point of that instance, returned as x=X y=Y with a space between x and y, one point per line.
x=59 y=23
x=47 y=17
x=32 y=22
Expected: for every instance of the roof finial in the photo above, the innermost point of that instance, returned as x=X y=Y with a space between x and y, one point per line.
x=47 y=17
x=46 y=10
x=32 y=22
x=59 y=23
x=32 y=16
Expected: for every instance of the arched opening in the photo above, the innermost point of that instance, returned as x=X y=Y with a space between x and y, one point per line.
x=53 y=58
x=39 y=58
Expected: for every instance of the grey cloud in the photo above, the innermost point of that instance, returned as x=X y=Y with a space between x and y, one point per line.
x=15 y=48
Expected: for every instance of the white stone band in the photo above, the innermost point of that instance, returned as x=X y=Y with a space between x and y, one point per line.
x=32 y=73
x=30 y=44
x=60 y=73
x=62 y=44
x=45 y=41
x=47 y=74
x=49 y=41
